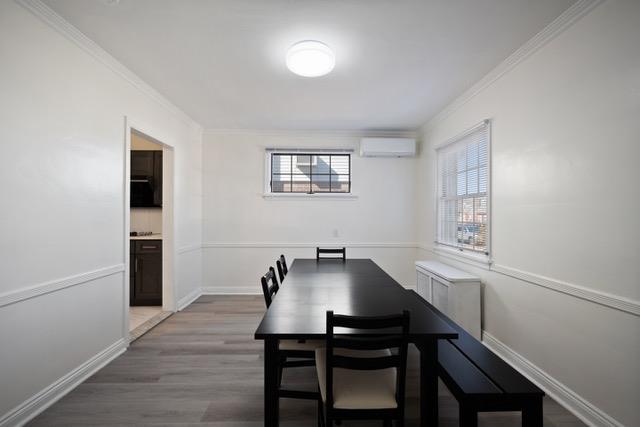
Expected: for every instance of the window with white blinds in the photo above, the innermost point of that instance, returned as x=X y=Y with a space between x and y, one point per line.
x=463 y=191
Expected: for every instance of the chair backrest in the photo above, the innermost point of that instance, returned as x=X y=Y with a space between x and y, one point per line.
x=269 y=290
x=281 y=263
x=383 y=332
x=341 y=252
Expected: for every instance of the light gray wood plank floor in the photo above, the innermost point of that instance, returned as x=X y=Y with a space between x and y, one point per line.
x=202 y=367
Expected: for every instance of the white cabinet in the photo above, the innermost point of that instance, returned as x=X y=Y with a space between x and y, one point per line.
x=454 y=292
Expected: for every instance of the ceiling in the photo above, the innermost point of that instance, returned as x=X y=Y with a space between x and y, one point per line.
x=399 y=62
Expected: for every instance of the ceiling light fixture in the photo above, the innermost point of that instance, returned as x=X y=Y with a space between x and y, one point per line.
x=310 y=58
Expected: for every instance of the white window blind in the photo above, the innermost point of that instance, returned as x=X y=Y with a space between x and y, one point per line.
x=463 y=191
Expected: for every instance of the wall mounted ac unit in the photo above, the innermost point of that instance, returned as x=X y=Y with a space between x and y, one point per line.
x=387 y=147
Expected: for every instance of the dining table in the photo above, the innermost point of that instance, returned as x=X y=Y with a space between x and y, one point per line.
x=356 y=287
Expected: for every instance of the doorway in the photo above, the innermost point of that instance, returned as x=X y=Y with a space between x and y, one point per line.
x=149 y=296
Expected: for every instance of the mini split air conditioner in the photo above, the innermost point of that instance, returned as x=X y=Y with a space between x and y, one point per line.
x=387 y=147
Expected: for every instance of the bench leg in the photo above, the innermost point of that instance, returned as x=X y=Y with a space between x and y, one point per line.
x=428 y=383
x=532 y=413
x=468 y=416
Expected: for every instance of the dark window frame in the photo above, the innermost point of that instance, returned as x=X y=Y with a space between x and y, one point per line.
x=311 y=173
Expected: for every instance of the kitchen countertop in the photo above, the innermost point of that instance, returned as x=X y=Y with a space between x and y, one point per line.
x=156 y=236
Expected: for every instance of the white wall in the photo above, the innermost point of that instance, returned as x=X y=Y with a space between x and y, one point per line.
x=242 y=228
x=62 y=167
x=565 y=206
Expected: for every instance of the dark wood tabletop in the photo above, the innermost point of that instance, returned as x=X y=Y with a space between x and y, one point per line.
x=353 y=287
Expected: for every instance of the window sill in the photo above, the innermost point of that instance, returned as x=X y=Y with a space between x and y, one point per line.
x=477 y=260
x=317 y=196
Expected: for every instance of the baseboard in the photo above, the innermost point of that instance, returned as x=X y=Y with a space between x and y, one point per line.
x=185 y=301
x=231 y=290
x=33 y=406
x=574 y=403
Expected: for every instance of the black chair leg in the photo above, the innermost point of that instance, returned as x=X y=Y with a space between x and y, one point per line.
x=283 y=360
x=468 y=416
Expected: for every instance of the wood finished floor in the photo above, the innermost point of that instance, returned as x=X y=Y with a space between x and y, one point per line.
x=202 y=367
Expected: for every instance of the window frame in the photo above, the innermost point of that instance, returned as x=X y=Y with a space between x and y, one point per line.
x=445 y=249
x=269 y=154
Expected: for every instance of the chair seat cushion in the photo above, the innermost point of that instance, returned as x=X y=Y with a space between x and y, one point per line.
x=305 y=345
x=354 y=389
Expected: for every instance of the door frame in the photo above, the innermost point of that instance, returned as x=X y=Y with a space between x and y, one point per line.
x=169 y=254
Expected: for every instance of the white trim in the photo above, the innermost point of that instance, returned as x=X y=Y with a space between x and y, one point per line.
x=189 y=248
x=185 y=301
x=477 y=260
x=169 y=251
x=268 y=194
x=314 y=196
x=40 y=401
x=599 y=297
x=58 y=23
x=605 y=299
x=408 y=245
x=231 y=290
x=580 y=407
x=22 y=294
x=293 y=150
x=302 y=133
x=464 y=134
x=550 y=32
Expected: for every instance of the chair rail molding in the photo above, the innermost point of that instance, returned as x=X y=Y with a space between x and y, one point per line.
x=606 y=299
x=40 y=401
x=599 y=297
x=28 y=292
x=407 y=245
x=189 y=248
x=581 y=408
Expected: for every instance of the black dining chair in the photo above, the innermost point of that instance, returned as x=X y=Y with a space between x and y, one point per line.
x=303 y=351
x=359 y=377
x=281 y=263
x=269 y=290
x=341 y=252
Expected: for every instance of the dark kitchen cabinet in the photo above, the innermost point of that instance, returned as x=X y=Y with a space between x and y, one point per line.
x=145 y=280
x=146 y=178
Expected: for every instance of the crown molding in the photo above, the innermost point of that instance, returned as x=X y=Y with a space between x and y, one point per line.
x=301 y=133
x=58 y=23
x=550 y=32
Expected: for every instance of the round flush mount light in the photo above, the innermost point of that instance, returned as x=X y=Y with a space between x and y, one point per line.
x=310 y=58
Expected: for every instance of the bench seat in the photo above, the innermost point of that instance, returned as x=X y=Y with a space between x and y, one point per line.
x=483 y=382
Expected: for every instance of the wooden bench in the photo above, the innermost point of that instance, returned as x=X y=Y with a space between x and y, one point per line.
x=483 y=382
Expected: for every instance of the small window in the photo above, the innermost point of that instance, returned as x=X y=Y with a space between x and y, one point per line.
x=310 y=173
x=463 y=191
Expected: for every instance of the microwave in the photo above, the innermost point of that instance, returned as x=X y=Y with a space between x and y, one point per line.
x=143 y=192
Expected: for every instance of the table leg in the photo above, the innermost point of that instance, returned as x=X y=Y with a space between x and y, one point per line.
x=429 y=383
x=532 y=413
x=271 y=382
